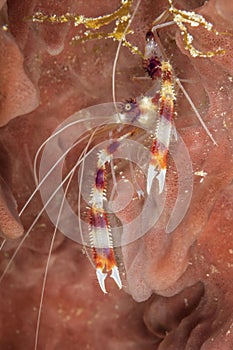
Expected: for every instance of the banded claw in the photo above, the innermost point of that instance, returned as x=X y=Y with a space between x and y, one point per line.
x=101 y=276
x=159 y=174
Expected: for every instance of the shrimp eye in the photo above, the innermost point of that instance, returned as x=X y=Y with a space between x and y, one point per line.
x=128 y=107
x=149 y=36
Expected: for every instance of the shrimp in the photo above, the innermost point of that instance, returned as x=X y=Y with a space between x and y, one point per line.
x=157 y=68
x=161 y=70
x=150 y=118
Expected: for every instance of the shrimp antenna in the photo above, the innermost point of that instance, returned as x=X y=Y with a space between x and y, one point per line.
x=47 y=264
x=80 y=160
x=117 y=56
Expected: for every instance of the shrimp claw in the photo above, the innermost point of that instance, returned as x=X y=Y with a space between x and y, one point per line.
x=159 y=174
x=101 y=276
x=105 y=261
x=101 y=279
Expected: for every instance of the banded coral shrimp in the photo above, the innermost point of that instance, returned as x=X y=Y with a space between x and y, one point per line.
x=108 y=134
